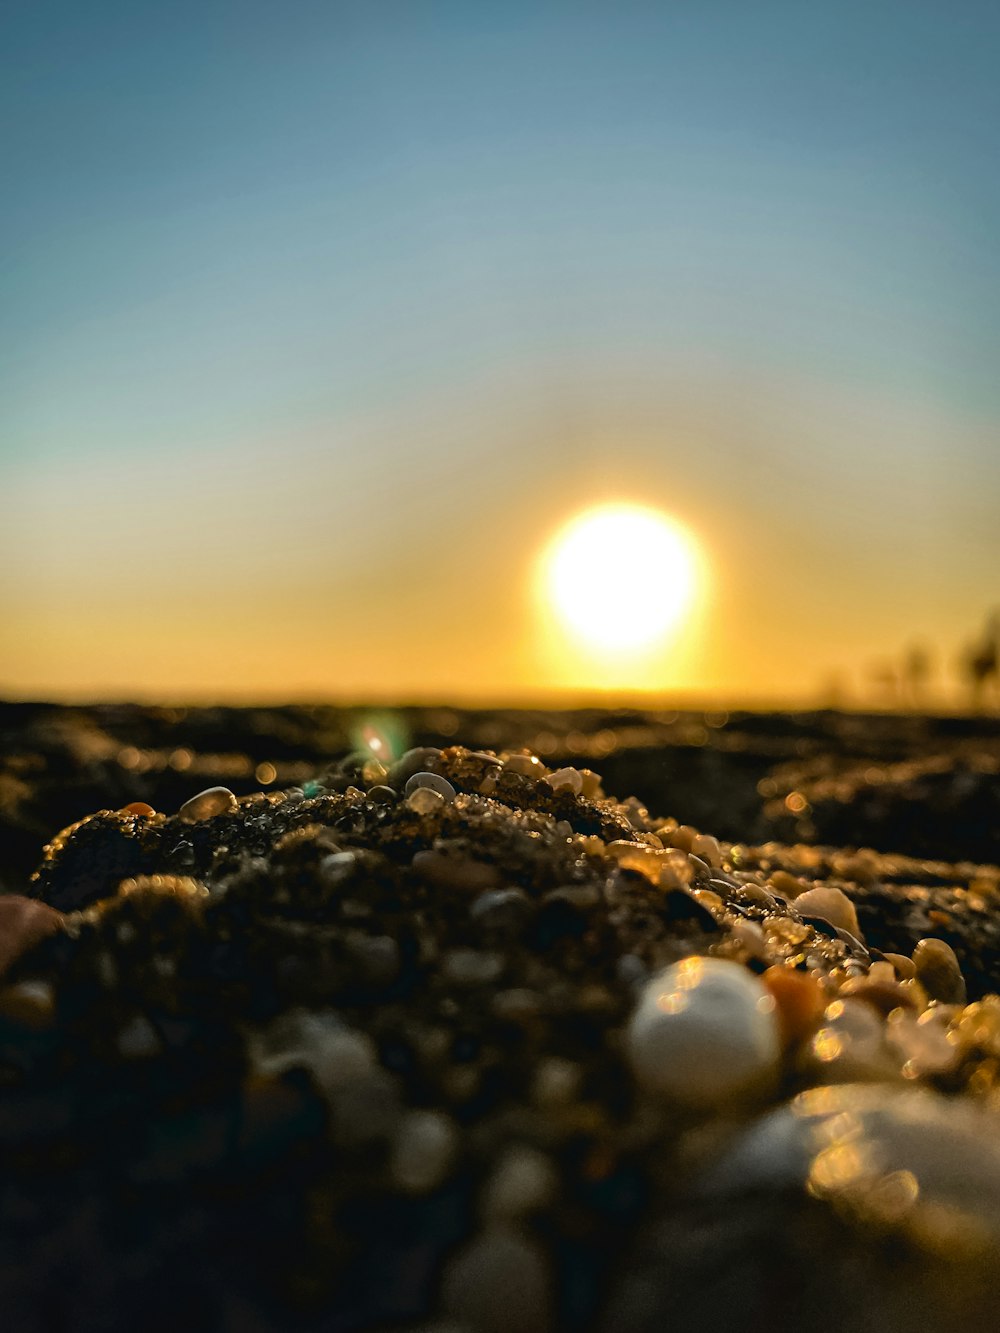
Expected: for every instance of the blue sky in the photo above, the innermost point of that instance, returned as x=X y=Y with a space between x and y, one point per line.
x=377 y=254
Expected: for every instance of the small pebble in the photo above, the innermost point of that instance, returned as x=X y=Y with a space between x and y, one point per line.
x=24 y=922
x=471 y=967
x=499 y=1283
x=851 y=1046
x=787 y=885
x=501 y=912
x=705 y=1034
x=903 y=966
x=207 y=804
x=831 y=905
x=418 y=760
x=801 y=1001
x=904 y=1159
x=938 y=971
x=523 y=1181
x=382 y=795
x=566 y=779
x=429 y=782
x=423 y=1151
x=337 y=868
x=885 y=996
x=137 y=808
x=751 y=937
x=707 y=847
x=138 y=1039
x=525 y=765
x=424 y=801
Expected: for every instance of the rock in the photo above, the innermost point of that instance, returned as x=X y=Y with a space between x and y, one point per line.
x=499 y=1283
x=429 y=782
x=24 y=922
x=424 y=801
x=418 y=760
x=938 y=971
x=851 y=1046
x=207 y=804
x=801 y=1001
x=705 y=1035
x=831 y=905
x=423 y=1151
x=565 y=779
x=524 y=1180
x=905 y=1159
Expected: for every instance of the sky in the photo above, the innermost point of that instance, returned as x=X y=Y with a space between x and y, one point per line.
x=317 y=320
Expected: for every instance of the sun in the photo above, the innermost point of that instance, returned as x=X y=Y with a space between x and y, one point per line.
x=620 y=579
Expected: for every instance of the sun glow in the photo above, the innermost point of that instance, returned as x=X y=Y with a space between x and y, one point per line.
x=620 y=580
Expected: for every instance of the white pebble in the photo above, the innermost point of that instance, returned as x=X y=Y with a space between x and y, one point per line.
x=831 y=905
x=705 y=1034
x=423 y=1151
x=566 y=778
x=207 y=804
x=430 y=782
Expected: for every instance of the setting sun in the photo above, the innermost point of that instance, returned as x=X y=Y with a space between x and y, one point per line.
x=620 y=578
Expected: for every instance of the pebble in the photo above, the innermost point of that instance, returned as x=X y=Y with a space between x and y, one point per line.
x=831 y=905
x=524 y=1181
x=787 y=885
x=923 y=1043
x=471 y=967
x=938 y=971
x=423 y=1151
x=137 y=808
x=455 y=871
x=903 y=966
x=499 y=1283
x=424 y=801
x=24 y=922
x=705 y=1034
x=31 y=1004
x=903 y=1159
x=556 y=1081
x=851 y=1046
x=885 y=996
x=418 y=760
x=429 y=782
x=337 y=868
x=138 y=1039
x=501 y=912
x=524 y=765
x=707 y=848
x=382 y=795
x=751 y=937
x=207 y=804
x=566 y=779
x=801 y=1001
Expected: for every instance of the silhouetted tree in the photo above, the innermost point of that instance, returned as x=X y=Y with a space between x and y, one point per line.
x=981 y=664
